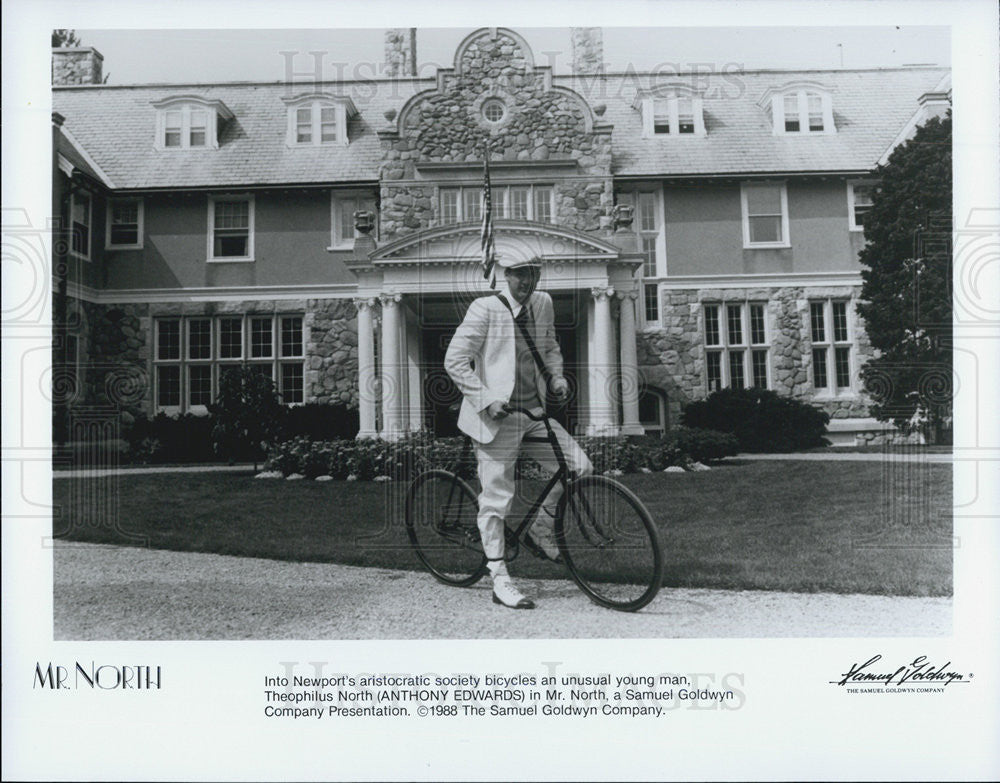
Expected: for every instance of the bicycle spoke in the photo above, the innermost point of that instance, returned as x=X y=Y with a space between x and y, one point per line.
x=441 y=524
x=610 y=544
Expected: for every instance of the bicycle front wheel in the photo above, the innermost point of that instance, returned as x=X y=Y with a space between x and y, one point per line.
x=441 y=513
x=610 y=543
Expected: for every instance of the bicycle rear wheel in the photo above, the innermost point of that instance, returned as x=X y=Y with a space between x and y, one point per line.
x=610 y=543
x=441 y=514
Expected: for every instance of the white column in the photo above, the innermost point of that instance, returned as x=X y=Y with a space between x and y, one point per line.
x=414 y=373
x=392 y=386
x=367 y=378
x=629 y=363
x=602 y=365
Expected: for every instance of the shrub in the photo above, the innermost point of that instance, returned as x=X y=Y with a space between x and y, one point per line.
x=246 y=415
x=402 y=460
x=163 y=438
x=760 y=419
x=321 y=421
x=704 y=445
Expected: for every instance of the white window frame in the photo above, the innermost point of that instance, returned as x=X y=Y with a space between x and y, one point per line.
x=801 y=94
x=744 y=206
x=74 y=197
x=672 y=113
x=112 y=203
x=210 y=250
x=633 y=197
x=747 y=346
x=830 y=344
x=851 y=203
x=274 y=362
x=339 y=199
x=186 y=107
x=500 y=194
x=343 y=107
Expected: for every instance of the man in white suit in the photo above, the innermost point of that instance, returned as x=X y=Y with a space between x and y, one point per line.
x=492 y=365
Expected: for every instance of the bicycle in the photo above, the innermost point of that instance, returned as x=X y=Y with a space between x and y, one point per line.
x=606 y=537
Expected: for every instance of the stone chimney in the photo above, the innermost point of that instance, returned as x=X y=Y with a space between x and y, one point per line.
x=400 y=52
x=588 y=49
x=77 y=65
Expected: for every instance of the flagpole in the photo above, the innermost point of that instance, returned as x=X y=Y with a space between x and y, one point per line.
x=486 y=239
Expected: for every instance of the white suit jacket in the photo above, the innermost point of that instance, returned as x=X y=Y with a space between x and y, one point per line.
x=480 y=358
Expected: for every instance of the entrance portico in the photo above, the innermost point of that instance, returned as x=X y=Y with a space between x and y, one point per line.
x=423 y=283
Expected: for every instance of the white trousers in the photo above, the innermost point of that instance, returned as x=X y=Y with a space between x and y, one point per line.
x=496 y=474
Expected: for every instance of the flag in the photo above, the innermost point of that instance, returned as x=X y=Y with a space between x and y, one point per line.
x=486 y=236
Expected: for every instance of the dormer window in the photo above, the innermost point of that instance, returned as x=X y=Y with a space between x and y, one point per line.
x=189 y=122
x=318 y=119
x=802 y=108
x=676 y=113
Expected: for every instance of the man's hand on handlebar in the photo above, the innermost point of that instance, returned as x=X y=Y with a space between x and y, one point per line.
x=498 y=410
x=560 y=389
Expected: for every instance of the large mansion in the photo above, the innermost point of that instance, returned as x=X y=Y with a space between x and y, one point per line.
x=697 y=231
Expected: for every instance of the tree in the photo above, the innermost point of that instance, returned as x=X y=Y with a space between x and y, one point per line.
x=64 y=38
x=906 y=295
x=247 y=414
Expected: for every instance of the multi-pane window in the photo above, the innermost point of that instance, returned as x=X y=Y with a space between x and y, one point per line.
x=124 y=224
x=647 y=224
x=859 y=203
x=231 y=221
x=191 y=355
x=803 y=111
x=765 y=215
x=261 y=338
x=450 y=212
x=303 y=126
x=518 y=202
x=679 y=114
x=792 y=113
x=830 y=333
x=542 y=203
x=472 y=203
x=81 y=223
x=231 y=338
x=342 y=209
x=317 y=121
x=184 y=127
x=736 y=345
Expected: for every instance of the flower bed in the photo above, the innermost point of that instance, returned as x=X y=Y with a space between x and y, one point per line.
x=403 y=459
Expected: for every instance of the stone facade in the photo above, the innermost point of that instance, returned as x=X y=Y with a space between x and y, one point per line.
x=400 y=52
x=673 y=358
x=331 y=374
x=77 y=65
x=540 y=123
x=588 y=50
x=115 y=349
x=116 y=344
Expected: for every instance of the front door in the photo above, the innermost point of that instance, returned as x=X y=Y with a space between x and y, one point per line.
x=440 y=393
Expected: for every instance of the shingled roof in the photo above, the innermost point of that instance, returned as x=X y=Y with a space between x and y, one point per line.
x=117 y=125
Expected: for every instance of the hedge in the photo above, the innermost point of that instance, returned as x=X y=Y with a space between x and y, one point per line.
x=188 y=438
x=403 y=459
x=760 y=419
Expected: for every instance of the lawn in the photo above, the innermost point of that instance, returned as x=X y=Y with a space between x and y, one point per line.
x=846 y=527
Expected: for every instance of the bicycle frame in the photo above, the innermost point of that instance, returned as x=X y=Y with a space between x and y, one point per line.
x=560 y=476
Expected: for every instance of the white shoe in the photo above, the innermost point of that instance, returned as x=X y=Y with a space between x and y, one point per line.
x=506 y=594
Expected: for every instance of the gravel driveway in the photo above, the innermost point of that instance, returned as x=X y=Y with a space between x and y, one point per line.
x=112 y=593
